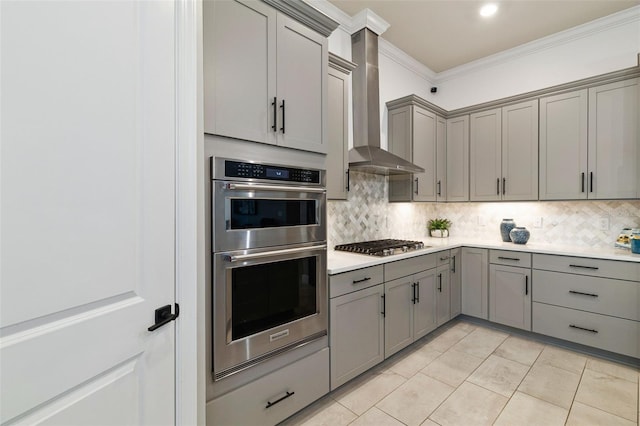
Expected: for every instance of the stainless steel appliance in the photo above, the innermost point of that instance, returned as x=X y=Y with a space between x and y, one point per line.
x=381 y=247
x=269 y=261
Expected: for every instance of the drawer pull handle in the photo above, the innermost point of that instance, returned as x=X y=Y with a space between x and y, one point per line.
x=362 y=280
x=442 y=259
x=509 y=258
x=590 y=330
x=594 y=268
x=583 y=294
x=271 y=404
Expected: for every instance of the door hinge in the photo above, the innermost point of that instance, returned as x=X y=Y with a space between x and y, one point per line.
x=164 y=316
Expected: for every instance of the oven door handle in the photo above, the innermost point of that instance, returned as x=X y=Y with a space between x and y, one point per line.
x=254 y=187
x=241 y=257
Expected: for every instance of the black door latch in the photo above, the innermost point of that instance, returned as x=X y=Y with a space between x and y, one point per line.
x=164 y=316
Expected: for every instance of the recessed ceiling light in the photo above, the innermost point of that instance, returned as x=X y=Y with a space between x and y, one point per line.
x=488 y=9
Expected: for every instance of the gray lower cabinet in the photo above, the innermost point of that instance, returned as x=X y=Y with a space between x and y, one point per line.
x=475 y=291
x=510 y=289
x=410 y=301
x=276 y=396
x=593 y=302
x=455 y=282
x=356 y=323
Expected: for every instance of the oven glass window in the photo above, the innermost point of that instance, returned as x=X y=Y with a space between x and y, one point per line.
x=270 y=213
x=271 y=294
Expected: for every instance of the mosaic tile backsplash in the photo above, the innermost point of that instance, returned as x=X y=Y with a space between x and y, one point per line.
x=368 y=215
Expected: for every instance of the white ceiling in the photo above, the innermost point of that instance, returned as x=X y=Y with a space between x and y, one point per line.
x=443 y=34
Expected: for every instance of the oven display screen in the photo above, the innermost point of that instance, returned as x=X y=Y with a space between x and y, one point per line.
x=277 y=173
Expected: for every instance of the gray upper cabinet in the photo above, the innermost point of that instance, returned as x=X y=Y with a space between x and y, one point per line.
x=339 y=88
x=504 y=153
x=457 y=159
x=589 y=143
x=563 y=146
x=265 y=76
x=417 y=135
x=614 y=134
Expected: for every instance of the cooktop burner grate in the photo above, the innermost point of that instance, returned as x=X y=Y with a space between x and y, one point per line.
x=381 y=247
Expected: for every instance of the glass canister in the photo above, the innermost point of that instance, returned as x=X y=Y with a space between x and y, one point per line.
x=505 y=227
x=635 y=240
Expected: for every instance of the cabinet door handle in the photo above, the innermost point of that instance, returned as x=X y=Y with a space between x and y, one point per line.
x=416 y=180
x=498 y=186
x=274 y=104
x=283 y=114
x=583 y=294
x=287 y=395
x=594 y=268
x=439 y=189
x=384 y=306
x=526 y=285
x=348 y=179
x=590 y=181
x=509 y=258
x=590 y=330
x=362 y=280
x=440 y=283
x=504 y=186
x=453 y=264
x=413 y=293
x=582 y=182
x=418 y=292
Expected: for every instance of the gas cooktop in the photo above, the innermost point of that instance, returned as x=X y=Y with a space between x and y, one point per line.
x=381 y=247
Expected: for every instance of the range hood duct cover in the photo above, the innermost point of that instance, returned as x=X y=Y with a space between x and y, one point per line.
x=366 y=154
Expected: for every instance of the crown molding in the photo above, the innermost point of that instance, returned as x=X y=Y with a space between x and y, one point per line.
x=581 y=31
x=305 y=13
x=341 y=64
x=331 y=10
x=367 y=18
x=404 y=59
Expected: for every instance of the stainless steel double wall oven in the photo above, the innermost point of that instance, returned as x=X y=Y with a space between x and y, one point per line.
x=269 y=261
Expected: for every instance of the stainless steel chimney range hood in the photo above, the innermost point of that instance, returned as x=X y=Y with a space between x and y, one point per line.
x=366 y=155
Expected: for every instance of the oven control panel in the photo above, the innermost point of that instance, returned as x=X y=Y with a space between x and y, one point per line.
x=238 y=169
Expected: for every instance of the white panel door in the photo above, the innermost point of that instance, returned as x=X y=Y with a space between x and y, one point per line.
x=302 y=84
x=614 y=134
x=563 y=146
x=520 y=151
x=486 y=153
x=87 y=212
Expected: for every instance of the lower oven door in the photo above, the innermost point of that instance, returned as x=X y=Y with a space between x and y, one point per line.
x=266 y=302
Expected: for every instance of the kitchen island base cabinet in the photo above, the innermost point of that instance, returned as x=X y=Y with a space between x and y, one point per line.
x=357 y=333
x=274 y=397
x=475 y=290
x=600 y=331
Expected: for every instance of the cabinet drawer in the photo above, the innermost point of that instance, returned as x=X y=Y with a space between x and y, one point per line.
x=405 y=267
x=443 y=257
x=510 y=258
x=306 y=380
x=347 y=282
x=599 y=295
x=586 y=266
x=612 y=334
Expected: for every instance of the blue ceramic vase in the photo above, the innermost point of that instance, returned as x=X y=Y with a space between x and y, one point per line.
x=519 y=235
x=505 y=227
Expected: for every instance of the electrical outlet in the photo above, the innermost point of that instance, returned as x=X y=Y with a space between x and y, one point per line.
x=537 y=222
x=603 y=223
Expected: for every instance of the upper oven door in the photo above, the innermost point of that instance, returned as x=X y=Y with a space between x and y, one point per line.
x=255 y=215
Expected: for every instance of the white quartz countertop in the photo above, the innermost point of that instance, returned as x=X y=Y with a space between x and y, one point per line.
x=339 y=261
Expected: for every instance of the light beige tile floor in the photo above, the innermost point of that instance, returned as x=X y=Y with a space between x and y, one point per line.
x=465 y=374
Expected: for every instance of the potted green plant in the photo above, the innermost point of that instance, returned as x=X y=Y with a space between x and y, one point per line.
x=439 y=227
